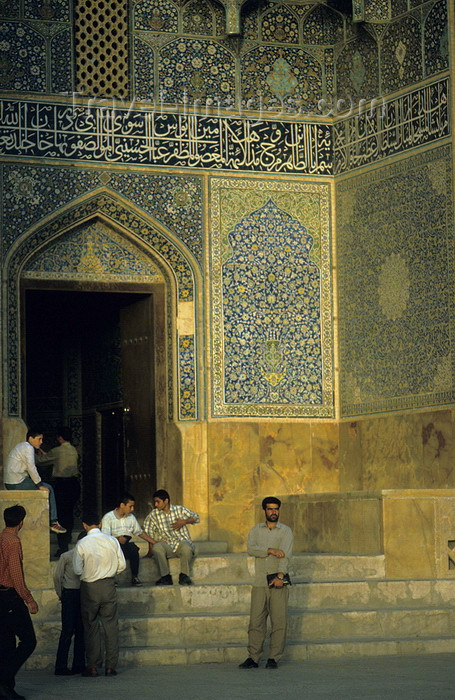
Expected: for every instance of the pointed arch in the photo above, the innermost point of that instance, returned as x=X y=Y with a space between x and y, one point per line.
x=142 y=237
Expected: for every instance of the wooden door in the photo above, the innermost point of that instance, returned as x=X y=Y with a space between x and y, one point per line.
x=136 y=324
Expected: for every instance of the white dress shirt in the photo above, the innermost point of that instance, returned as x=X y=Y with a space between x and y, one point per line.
x=98 y=556
x=20 y=464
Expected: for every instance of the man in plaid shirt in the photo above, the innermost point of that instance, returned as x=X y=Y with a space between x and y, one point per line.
x=167 y=525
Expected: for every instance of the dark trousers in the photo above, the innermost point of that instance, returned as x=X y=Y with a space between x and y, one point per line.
x=67 y=492
x=71 y=625
x=99 y=604
x=15 y=622
x=131 y=552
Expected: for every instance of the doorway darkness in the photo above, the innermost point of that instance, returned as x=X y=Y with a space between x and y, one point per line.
x=76 y=371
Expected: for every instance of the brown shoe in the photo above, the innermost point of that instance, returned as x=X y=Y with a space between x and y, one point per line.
x=89 y=673
x=110 y=672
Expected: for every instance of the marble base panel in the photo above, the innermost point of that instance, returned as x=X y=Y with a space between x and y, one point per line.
x=413 y=529
x=34 y=534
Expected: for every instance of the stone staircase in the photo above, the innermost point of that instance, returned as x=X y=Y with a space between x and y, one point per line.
x=340 y=606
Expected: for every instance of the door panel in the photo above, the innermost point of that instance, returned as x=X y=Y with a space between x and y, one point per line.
x=136 y=324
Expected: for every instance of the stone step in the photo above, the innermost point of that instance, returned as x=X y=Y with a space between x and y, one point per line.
x=316 y=596
x=136 y=657
x=175 y=630
x=239 y=567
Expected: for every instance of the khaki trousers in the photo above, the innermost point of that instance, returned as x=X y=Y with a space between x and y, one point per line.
x=273 y=603
x=162 y=552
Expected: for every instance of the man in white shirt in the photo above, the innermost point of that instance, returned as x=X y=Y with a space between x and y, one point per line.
x=167 y=525
x=122 y=524
x=21 y=474
x=64 y=461
x=97 y=560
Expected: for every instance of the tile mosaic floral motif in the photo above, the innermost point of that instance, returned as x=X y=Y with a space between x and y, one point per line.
x=61 y=76
x=357 y=69
x=22 y=58
x=322 y=26
x=144 y=75
x=395 y=309
x=401 y=55
x=55 y=10
x=377 y=10
x=93 y=253
x=267 y=300
x=155 y=16
x=196 y=68
x=187 y=382
x=10 y=10
x=174 y=200
x=283 y=73
x=199 y=18
x=280 y=25
x=436 y=37
x=29 y=193
x=272 y=341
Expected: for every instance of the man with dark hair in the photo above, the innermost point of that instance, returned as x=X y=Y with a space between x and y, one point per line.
x=97 y=560
x=167 y=525
x=67 y=585
x=16 y=604
x=64 y=461
x=122 y=524
x=21 y=473
x=270 y=543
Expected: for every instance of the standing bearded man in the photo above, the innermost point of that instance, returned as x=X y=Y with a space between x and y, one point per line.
x=270 y=543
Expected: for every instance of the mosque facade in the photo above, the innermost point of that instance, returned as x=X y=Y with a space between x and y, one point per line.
x=228 y=245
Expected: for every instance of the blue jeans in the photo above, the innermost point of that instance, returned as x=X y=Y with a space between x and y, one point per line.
x=29 y=485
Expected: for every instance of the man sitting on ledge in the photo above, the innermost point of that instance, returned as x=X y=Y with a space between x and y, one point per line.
x=21 y=474
x=168 y=526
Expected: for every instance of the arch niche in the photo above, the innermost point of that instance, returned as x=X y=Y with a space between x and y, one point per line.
x=102 y=245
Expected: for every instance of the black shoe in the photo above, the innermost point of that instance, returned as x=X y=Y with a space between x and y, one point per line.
x=249 y=663
x=165 y=581
x=271 y=663
x=110 y=672
x=135 y=581
x=63 y=672
x=185 y=580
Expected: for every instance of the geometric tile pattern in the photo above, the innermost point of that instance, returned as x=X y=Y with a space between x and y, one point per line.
x=271 y=299
x=396 y=279
x=287 y=52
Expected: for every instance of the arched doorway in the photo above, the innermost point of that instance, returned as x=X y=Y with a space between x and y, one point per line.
x=89 y=363
x=105 y=248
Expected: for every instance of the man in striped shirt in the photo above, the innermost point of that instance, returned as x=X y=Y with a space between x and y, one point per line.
x=167 y=525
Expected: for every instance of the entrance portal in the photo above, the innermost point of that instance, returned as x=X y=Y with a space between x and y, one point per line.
x=89 y=364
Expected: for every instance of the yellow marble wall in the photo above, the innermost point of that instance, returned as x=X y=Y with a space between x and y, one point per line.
x=248 y=460
x=398 y=451
x=34 y=534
